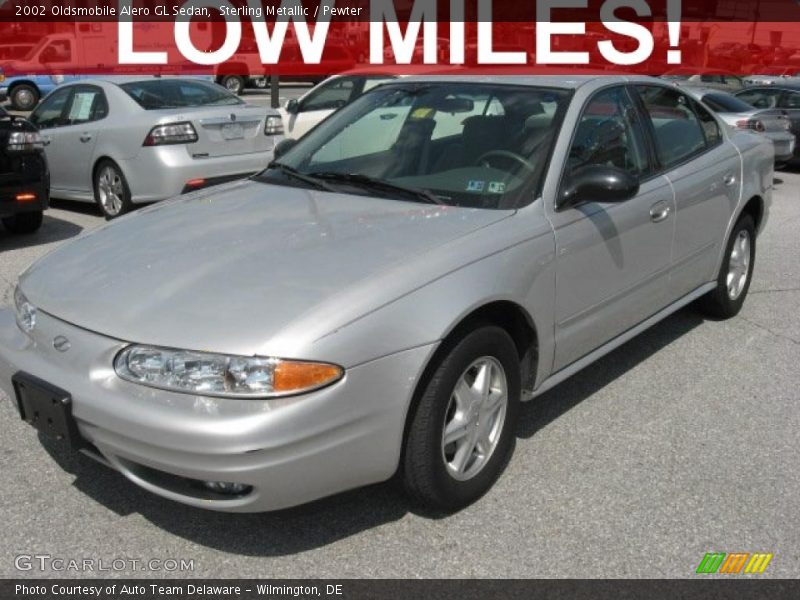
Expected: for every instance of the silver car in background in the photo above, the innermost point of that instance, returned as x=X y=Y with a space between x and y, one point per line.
x=125 y=141
x=371 y=305
x=771 y=123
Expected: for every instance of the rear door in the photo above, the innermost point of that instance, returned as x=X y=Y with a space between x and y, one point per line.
x=612 y=258
x=705 y=172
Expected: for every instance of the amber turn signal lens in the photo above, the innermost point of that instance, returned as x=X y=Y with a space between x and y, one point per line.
x=294 y=377
x=25 y=197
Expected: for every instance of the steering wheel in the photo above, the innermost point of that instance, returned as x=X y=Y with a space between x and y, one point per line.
x=525 y=163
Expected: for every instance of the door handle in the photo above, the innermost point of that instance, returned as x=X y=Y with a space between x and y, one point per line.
x=729 y=179
x=659 y=211
x=85 y=137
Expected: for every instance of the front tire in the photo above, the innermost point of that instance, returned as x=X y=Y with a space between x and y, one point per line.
x=111 y=191
x=24 y=223
x=733 y=280
x=24 y=97
x=462 y=431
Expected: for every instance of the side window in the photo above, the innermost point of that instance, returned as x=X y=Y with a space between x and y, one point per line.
x=678 y=132
x=330 y=96
x=760 y=98
x=712 y=79
x=790 y=100
x=709 y=124
x=58 y=51
x=87 y=104
x=609 y=133
x=50 y=113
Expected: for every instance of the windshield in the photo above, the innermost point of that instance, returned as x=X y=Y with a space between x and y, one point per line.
x=477 y=145
x=156 y=94
x=725 y=103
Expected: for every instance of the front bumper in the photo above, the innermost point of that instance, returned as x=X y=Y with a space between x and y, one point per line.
x=291 y=450
x=23 y=174
x=161 y=172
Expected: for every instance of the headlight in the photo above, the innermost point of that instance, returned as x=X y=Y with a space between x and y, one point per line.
x=20 y=141
x=222 y=375
x=26 y=312
x=273 y=125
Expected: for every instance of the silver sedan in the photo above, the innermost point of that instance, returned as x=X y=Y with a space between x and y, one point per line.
x=384 y=295
x=125 y=141
x=771 y=123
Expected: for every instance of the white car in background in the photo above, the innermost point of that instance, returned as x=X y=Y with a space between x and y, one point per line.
x=301 y=114
x=125 y=141
x=775 y=74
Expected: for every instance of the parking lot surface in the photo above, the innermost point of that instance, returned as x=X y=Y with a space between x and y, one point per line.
x=683 y=441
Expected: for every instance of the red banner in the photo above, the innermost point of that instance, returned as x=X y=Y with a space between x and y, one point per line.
x=291 y=37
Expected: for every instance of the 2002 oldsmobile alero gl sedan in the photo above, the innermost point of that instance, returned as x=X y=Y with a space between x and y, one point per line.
x=384 y=295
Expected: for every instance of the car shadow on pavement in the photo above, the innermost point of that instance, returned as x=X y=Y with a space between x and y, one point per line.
x=552 y=404
x=53 y=229
x=332 y=519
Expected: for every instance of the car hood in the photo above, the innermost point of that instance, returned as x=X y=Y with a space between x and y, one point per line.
x=227 y=269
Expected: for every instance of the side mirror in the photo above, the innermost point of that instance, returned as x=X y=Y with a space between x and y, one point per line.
x=283 y=147
x=292 y=106
x=597 y=183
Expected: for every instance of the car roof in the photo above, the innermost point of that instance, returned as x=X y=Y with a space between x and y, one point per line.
x=569 y=82
x=779 y=85
x=699 y=91
x=120 y=79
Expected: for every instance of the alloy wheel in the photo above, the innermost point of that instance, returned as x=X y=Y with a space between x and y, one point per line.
x=738 y=265
x=474 y=418
x=111 y=191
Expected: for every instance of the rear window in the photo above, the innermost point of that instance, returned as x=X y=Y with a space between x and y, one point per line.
x=158 y=94
x=725 y=103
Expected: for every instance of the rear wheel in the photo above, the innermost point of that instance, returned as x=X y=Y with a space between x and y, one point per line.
x=733 y=280
x=111 y=191
x=24 y=97
x=233 y=83
x=27 y=222
x=463 y=429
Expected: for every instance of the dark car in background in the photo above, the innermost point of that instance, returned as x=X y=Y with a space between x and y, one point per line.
x=784 y=97
x=24 y=176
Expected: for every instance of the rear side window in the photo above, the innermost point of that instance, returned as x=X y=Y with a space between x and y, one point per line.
x=157 y=94
x=709 y=123
x=679 y=133
x=86 y=104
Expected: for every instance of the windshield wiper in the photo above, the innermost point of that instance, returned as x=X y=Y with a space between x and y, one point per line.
x=374 y=183
x=293 y=173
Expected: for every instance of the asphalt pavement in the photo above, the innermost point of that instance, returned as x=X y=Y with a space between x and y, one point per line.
x=683 y=441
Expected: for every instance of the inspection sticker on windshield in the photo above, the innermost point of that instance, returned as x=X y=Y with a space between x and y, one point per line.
x=475 y=185
x=422 y=113
x=497 y=187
